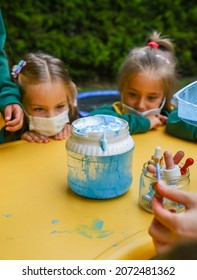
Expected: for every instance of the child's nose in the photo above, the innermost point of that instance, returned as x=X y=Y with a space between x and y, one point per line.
x=141 y=105
x=50 y=114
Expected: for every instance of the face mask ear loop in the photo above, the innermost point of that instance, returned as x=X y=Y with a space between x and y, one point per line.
x=163 y=103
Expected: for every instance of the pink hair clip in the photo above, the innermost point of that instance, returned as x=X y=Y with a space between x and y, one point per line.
x=153 y=45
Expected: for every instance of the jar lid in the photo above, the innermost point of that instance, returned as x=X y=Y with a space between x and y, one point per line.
x=100 y=135
x=99 y=125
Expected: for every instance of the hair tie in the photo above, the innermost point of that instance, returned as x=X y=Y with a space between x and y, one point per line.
x=153 y=45
x=17 y=68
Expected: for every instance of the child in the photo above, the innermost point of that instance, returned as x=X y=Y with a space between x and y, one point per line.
x=48 y=96
x=178 y=128
x=11 y=112
x=147 y=80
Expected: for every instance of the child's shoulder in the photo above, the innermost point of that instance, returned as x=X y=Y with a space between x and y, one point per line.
x=105 y=110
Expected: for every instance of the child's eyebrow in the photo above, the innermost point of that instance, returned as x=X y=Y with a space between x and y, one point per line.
x=38 y=105
x=155 y=94
x=62 y=102
x=132 y=89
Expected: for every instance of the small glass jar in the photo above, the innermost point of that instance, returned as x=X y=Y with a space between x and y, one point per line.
x=100 y=153
x=146 y=191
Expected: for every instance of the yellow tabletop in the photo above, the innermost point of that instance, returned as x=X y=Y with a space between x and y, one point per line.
x=2 y=121
x=41 y=218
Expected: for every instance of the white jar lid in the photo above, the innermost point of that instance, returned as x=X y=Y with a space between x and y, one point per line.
x=99 y=124
x=100 y=135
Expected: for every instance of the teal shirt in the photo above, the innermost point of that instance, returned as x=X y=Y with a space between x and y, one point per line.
x=178 y=128
x=9 y=92
x=137 y=124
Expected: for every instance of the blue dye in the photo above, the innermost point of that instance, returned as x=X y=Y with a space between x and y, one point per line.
x=95 y=230
x=97 y=224
x=103 y=143
x=7 y=215
x=100 y=177
x=54 y=222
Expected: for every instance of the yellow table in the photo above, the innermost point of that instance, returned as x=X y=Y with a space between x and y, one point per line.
x=2 y=122
x=41 y=218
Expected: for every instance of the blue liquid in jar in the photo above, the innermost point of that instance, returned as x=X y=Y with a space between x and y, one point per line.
x=100 y=177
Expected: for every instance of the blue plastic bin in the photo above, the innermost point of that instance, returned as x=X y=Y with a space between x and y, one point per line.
x=91 y=100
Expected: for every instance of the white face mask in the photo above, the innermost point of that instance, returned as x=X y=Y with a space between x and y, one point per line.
x=155 y=111
x=48 y=126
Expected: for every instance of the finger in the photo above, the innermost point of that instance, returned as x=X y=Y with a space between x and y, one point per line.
x=14 y=125
x=160 y=233
x=40 y=138
x=8 y=113
x=157 y=193
x=64 y=133
x=163 y=119
x=179 y=196
x=160 y=246
x=59 y=136
x=14 y=111
x=166 y=220
x=159 y=123
x=16 y=120
x=66 y=129
x=151 y=168
x=33 y=136
x=27 y=137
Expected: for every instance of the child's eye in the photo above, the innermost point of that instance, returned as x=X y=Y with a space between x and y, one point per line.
x=38 y=109
x=132 y=94
x=152 y=98
x=61 y=106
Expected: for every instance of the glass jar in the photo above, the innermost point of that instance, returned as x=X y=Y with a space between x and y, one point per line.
x=100 y=153
x=146 y=191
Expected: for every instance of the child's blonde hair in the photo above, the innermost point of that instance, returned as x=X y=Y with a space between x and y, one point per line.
x=157 y=56
x=41 y=67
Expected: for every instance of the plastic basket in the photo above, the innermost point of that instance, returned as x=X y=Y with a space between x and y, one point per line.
x=187 y=103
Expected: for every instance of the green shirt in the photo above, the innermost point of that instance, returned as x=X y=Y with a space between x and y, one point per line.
x=137 y=124
x=9 y=92
x=178 y=128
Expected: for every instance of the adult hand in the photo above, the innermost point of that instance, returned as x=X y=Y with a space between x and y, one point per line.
x=168 y=228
